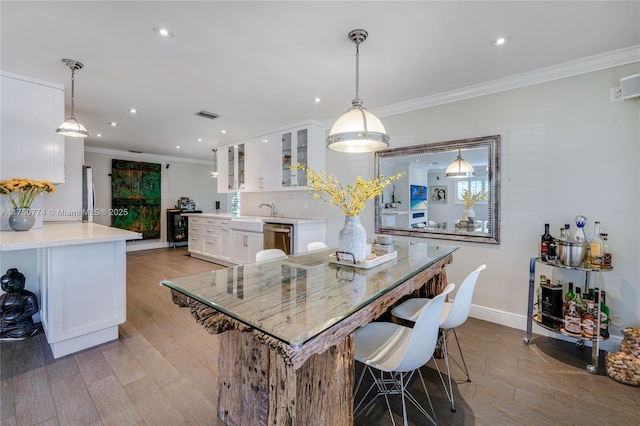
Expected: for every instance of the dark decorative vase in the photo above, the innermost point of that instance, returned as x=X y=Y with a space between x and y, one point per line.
x=21 y=219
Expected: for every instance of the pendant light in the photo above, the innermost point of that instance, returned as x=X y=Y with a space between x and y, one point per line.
x=357 y=130
x=460 y=168
x=214 y=172
x=71 y=127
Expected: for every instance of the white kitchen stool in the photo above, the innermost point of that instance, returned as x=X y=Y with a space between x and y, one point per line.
x=454 y=314
x=269 y=254
x=398 y=352
x=316 y=245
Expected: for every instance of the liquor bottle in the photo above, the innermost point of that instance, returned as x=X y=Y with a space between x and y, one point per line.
x=595 y=247
x=545 y=242
x=604 y=316
x=588 y=320
x=607 y=256
x=581 y=305
x=569 y=296
x=580 y=235
x=573 y=321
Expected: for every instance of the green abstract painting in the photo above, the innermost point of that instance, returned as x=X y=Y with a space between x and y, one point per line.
x=135 y=193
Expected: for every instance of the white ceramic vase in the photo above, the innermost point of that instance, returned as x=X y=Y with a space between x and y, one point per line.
x=469 y=214
x=353 y=238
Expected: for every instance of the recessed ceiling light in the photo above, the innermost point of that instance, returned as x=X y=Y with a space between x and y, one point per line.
x=500 y=41
x=316 y=100
x=177 y=146
x=163 y=32
x=223 y=131
x=199 y=139
x=113 y=123
x=99 y=135
x=265 y=140
x=133 y=110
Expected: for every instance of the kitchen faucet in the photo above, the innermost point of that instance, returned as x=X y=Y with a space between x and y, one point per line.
x=272 y=206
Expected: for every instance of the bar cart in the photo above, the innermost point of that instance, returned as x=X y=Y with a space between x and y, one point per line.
x=580 y=341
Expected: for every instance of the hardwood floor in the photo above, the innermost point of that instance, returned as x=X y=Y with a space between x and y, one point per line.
x=162 y=371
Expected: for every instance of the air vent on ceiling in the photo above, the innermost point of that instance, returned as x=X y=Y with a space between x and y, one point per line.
x=207 y=114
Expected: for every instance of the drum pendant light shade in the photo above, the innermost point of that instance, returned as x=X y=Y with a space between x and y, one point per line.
x=357 y=130
x=460 y=168
x=71 y=127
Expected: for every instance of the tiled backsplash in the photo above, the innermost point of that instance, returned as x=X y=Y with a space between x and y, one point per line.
x=298 y=204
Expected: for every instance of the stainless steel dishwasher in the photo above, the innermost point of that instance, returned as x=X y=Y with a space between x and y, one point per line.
x=279 y=236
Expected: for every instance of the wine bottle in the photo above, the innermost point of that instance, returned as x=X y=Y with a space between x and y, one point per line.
x=545 y=241
x=604 y=316
x=581 y=305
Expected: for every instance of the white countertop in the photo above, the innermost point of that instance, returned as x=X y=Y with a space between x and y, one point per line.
x=63 y=234
x=264 y=219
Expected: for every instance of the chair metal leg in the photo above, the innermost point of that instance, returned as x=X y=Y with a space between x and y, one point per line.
x=396 y=384
x=462 y=367
x=466 y=370
x=446 y=362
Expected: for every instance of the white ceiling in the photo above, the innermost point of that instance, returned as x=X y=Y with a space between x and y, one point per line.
x=261 y=64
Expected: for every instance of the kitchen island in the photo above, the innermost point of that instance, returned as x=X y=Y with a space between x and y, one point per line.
x=286 y=342
x=78 y=272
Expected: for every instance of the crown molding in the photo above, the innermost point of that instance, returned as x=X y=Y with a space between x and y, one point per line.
x=145 y=156
x=611 y=59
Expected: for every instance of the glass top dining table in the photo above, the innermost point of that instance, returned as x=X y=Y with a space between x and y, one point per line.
x=296 y=298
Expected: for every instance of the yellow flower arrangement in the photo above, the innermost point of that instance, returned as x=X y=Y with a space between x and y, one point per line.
x=350 y=199
x=27 y=191
x=470 y=199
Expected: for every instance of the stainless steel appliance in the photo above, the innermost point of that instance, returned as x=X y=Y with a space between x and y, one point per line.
x=279 y=236
x=88 y=196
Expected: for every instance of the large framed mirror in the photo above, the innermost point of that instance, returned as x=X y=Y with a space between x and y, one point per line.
x=433 y=200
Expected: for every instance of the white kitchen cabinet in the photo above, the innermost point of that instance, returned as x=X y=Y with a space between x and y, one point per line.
x=301 y=145
x=232 y=168
x=246 y=245
x=31 y=112
x=79 y=278
x=305 y=233
x=196 y=235
x=226 y=244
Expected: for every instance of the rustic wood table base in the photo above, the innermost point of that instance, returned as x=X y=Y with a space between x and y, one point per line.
x=263 y=381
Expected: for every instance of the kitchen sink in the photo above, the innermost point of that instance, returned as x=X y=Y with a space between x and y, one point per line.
x=247 y=224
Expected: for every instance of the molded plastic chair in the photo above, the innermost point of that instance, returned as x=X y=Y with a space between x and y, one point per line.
x=454 y=314
x=398 y=352
x=269 y=254
x=316 y=245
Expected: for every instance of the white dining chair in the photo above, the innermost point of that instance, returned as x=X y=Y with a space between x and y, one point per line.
x=316 y=245
x=398 y=352
x=269 y=254
x=454 y=314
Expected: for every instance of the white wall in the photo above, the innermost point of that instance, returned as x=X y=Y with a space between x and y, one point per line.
x=183 y=178
x=566 y=150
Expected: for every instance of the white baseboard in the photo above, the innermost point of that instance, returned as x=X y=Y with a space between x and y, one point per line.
x=146 y=245
x=519 y=322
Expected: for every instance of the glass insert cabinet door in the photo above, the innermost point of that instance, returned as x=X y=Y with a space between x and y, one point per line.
x=236 y=166
x=294 y=151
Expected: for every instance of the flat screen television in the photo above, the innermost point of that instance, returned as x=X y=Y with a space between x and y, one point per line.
x=418 y=197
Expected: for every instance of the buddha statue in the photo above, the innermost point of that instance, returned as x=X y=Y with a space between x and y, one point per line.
x=17 y=306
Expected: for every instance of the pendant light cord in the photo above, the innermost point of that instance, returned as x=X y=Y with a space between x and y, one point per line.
x=73 y=79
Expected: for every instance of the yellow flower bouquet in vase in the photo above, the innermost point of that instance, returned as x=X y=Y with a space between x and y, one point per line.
x=22 y=193
x=351 y=200
x=469 y=200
